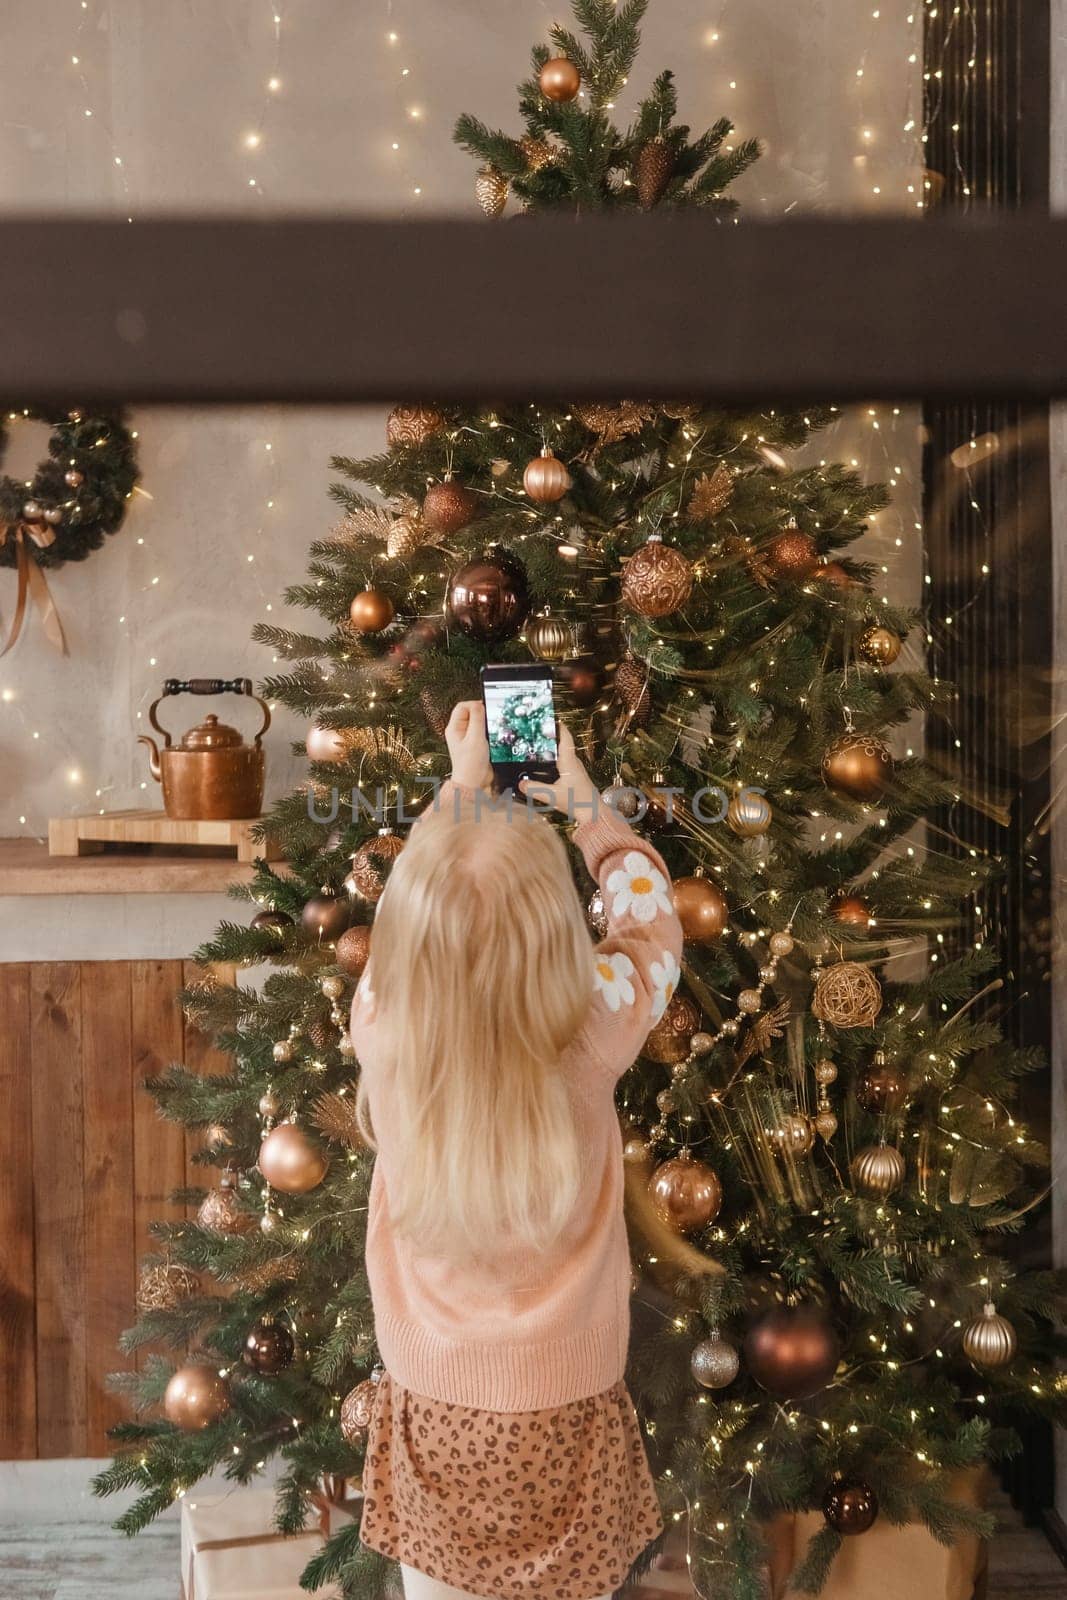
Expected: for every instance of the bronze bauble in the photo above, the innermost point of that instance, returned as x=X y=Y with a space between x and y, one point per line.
x=220 y=1210
x=491 y=190
x=852 y=910
x=794 y=1135
x=850 y=1508
x=489 y=597
x=326 y=915
x=449 y=506
x=325 y=744
x=372 y=864
x=357 y=1409
x=881 y=1088
x=878 y=1170
x=989 y=1341
x=656 y=580
x=559 y=79
x=793 y=555
x=549 y=638
x=353 y=951
x=858 y=765
x=847 y=995
x=195 y=1398
x=290 y=1161
x=269 y=1347
x=833 y=573
x=166 y=1285
x=749 y=814
x=701 y=909
x=631 y=689
x=581 y=680
x=792 y=1352
x=686 y=1193
x=880 y=645
x=668 y=1041
x=714 y=1362
x=371 y=610
x=274 y=920
x=546 y=478
x=653 y=171
x=412 y=425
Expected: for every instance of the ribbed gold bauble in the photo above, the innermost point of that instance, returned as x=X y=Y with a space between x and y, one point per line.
x=559 y=79
x=701 y=908
x=549 y=638
x=290 y=1161
x=859 y=766
x=989 y=1341
x=686 y=1193
x=412 y=425
x=195 y=1397
x=878 y=1170
x=714 y=1362
x=491 y=190
x=546 y=478
x=847 y=995
x=749 y=814
x=357 y=1409
x=880 y=645
x=669 y=1040
x=657 y=579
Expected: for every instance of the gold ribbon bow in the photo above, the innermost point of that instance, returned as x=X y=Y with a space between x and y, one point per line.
x=32 y=584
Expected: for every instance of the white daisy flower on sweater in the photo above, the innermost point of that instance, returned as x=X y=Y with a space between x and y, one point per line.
x=611 y=978
x=638 y=887
x=664 y=975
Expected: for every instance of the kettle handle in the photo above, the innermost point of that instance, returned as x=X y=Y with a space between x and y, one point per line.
x=208 y=686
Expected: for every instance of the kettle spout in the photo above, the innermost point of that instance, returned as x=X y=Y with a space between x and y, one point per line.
x=153 y=760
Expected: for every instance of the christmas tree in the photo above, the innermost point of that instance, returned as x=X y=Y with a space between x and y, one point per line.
x=829 y=1122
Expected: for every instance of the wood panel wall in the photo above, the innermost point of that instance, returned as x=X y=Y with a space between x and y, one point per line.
x=85 y=1165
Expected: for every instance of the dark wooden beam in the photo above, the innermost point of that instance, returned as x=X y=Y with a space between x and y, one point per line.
x=322 y=310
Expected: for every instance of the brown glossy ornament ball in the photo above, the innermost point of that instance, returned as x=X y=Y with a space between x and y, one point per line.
x=669 y=1040
x=656 y=580
x=290 y=1161
x=326 y=915
x=581 y=680
x=793 y=555
x=371 y=610
x=549 y=638
x=162 y=1287
x=357 y=1409
x=632 y=690
x=372 y=864
x=412 y=425
x=832 y=573
x=220 y=1211
x=714 y=1362
x=852 y=910
x=880 y=645
x=195 y=1398
x=489 y=597
x=882 y=1087
x=449 y=506
x=859 y=766
x=878 y=1170
x=701 y=909
x=274 y=920
x=546 y=478
x=325 y=744
x=990 y=1341
x=559 y=79
x=749 y=814
x=850 y=1508
x=353 y=951
x=491 y=190
x=686 y=1193
x=269 y=1348
x=792 y=1351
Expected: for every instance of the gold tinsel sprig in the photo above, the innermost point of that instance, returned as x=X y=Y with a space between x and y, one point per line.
x=711 y=494
x=334 y=1115
x=762 y=1031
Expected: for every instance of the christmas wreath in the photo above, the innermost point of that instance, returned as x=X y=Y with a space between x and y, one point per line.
x=76 y=497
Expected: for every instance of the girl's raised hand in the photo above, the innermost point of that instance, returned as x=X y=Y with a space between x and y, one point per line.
x=468 y=746
x=574 y=791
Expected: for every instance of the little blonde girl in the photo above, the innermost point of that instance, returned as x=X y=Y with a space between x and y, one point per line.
x=504 y=1457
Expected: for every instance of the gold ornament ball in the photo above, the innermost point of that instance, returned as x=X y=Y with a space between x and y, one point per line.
x=656 y=580
x=290 y=1161
x=449 y=506
x=825 y=1124
x=371 y=610
x=635 y=1152
x=550 y=638
x=780 y=945
x=878 y=1170
x=195 y=1398
x=353 y=951
x=491 y=190
x=749 y=814
x=559 y=79
x=750 y=1001
x=220 y=1211
x=357 y=1409
x=283 y=1051
x=325 y=744
x=269 y=1104
x=372 y=864
x=686 y=1193
x=546 y=478
x=412 y=425
x=714 y=1362
x=850 y=1508
x=702 y=1044
x=880 y=645
x=825 y=1071
x=858 y=766
x=847 y=995
x=701 y=909
x=165 y=1286
x=332 y=987
x=669 y=1040
x=989 y=1341
x=794 y=1135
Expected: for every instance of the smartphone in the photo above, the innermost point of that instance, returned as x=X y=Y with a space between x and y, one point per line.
x=520 y=720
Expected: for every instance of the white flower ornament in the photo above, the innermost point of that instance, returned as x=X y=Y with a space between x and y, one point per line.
x=639 y=888
x=665 y=975
x=611 y=978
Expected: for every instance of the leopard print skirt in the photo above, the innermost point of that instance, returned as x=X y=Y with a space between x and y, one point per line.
x=539 y=1505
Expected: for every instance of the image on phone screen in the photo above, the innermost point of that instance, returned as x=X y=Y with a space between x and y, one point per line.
x=520 y=722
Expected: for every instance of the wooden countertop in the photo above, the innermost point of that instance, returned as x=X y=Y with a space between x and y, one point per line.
x=27 y=868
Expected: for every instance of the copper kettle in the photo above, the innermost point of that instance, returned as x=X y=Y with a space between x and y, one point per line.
x=211 y=775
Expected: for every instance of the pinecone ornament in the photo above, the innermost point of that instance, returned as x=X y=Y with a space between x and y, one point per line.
x=631 y=689
x=653 y=171
x=537 y=152
x=491 y=188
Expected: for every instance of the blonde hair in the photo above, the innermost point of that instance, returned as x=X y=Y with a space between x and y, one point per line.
x=482 y=976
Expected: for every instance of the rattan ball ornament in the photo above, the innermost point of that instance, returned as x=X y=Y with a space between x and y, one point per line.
x=847 y=995
x=686 y=1193
x=749 y=814
x=491 y=190
x=990 y=1340
x=880 y=645
x=196 y=1397
x=549 y=638
x=669 y=1040
x=657 y=579
x=858 y=766
x=166 y=1285
x=559 y=79
x=546 y=478
x=357 y=1409
x=372 y=864
x=408 y=426
x=878 y=1170
x=714 y=1362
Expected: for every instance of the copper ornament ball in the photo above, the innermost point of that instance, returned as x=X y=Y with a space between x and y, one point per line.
x=269 y=919
x=559 y=79
x=686 y=1193
x=714 y=1362
x=352 y=951
x=412 y=425
x=668 y=1041
x=656 y=580
x=290 y=1161
x=990 y=1341
x=825 y=1071
x=701 y=908
x=546 y=478
x=220 y=1211
x=326 y=915
x=357 y=1410
x=882 y=1087
x=859 y=766
x=449 y=506
x=749 y=814
x=793 y=555
x=880 y=645
x=833 y=573
x=269 y=1348
x=878 y=1170
x=195 y=1398
x=851 y=910
x=371 y=610
x=581 y=680
x=636 y=1151
x=325 y=744
x=372 y=864
x=792 y=1352
x=489 y=597
x=850 y=1508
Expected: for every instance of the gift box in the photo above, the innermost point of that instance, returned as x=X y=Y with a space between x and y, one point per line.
x=231 y=1550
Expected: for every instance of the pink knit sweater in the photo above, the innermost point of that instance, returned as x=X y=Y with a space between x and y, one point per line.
x=521 y=1330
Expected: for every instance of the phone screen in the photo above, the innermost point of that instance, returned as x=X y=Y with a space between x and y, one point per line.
x=520 y=721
